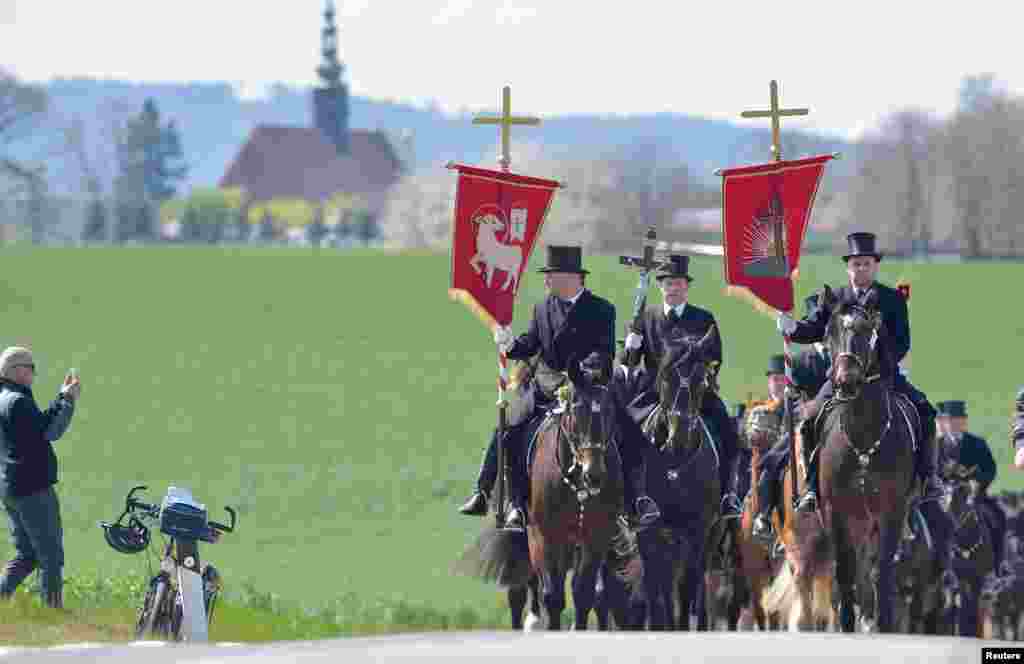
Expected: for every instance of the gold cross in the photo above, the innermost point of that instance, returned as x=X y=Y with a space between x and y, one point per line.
x=775 y=113
x=506 y=120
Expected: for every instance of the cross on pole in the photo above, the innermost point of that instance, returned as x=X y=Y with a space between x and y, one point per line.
x=506 y=120
x=775 y=113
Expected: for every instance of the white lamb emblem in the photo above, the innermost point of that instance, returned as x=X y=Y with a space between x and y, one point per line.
x=494 y=254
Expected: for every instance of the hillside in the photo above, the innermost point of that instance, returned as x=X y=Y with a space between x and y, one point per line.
x=214 y=123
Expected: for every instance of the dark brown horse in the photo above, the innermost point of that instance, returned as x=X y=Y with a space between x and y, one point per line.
x=973 y=549
x=682 y=477
x=866 y=467
x=576 y=489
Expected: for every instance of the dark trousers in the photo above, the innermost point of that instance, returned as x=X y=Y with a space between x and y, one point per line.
x=517 y=439
x=767 y=482
x=722 y=425
x=38 y=540
x=743 y=460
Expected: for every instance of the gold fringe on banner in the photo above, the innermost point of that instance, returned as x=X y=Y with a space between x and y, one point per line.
x=744 y=293
x=478 y=310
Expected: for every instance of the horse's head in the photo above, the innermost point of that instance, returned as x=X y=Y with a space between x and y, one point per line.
x=683 y=378
x=962 y=488
x=852 y=340
x=589 y=422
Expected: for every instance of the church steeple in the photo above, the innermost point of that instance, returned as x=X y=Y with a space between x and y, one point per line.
x=330 y=99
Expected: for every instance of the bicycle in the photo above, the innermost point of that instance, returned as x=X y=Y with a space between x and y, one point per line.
x=180 y=598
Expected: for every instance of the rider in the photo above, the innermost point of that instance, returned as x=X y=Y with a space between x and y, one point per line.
x=957 y=445
x=659 y=328
x=570 y=320
x=810 y=371
x=893 y=344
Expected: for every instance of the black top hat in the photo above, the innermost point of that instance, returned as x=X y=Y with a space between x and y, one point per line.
x=676 y=267
x=776 y=365
x=861 y=244
x=952 y=409
x=564 y=259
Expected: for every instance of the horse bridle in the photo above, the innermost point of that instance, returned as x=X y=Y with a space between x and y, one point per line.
x=578 y=443
x=847 y=323
x=968 y=514
x=693 y=407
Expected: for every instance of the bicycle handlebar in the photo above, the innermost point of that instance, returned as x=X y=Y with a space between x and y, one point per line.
x=132 y=504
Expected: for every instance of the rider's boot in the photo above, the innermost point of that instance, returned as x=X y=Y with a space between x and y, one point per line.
x=932 y=484
x=647 y=511
x=762 y=529
x=808 y=501
x=476 y=505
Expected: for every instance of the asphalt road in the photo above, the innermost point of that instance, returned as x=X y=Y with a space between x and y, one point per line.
x=541 y=648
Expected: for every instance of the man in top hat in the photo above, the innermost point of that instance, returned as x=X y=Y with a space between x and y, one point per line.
x=569 y=321
x=893 y=344
x=810 y=371
x=959 y=446
x=661 y=328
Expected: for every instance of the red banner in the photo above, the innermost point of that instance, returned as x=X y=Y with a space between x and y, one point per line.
x=765 y=213
x=498 y=217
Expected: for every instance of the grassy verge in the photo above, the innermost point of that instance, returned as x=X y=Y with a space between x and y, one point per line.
x=105 y=610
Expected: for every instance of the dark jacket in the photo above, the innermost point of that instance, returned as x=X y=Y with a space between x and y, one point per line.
x=894 y=340
x=661 y=334
x=970 y=451
x=27 y=461
x=588 y=326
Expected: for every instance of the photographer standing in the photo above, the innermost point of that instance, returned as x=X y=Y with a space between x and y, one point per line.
x=28 y=471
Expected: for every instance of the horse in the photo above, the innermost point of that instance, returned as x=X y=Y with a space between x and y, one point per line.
x=576 y=492
x=801 y=592
x=920 y=602
x=973 y=549
x=866 y=464
x=682 y=477
x=762 y=430
x=725 y=588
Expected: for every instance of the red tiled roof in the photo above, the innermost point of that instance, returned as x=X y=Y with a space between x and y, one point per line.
x=300 y=162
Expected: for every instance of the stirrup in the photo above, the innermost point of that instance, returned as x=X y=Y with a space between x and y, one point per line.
x=515 y=520
x=808 y=502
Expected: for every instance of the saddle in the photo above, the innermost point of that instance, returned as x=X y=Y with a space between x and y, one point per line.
x=902 y=407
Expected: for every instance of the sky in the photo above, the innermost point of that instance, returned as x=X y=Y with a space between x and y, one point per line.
x=850 y=63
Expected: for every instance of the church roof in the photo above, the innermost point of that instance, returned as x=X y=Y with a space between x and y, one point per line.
x=300 y=162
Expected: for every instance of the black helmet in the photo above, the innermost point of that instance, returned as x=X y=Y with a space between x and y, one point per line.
x=133 y=538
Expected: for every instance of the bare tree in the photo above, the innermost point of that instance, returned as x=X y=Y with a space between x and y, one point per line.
x=22 y=111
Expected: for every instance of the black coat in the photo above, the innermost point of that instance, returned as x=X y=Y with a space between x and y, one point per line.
x=970 y=451
x=894 y=339
x=27 y=461
x=661 y=334
x=588 y=326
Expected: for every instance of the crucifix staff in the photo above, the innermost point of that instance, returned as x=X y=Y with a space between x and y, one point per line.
x=775 y=113
x=505 y=120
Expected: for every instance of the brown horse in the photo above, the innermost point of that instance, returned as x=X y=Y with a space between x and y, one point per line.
x=866 y=466
x=762 y=430
x=576 y=489
x=801 y=593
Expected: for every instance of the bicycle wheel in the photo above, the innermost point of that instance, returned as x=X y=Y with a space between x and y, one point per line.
x=153 y=618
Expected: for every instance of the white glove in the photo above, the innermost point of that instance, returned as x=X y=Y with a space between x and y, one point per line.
x=786 y=324
x=634 y=341
x=503 y=337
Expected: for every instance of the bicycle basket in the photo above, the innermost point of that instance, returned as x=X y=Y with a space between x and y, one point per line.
x=182 y=517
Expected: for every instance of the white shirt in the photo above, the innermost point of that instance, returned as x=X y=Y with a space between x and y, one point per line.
x=679 y=309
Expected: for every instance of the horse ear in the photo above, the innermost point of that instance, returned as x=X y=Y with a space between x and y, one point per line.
x=828 y=297
x=706 y=342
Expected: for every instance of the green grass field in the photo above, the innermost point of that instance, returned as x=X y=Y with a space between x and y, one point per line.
x=341 y=401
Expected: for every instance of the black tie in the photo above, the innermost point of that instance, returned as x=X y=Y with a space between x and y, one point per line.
x=673 y=317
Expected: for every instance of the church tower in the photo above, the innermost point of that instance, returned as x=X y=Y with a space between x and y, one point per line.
x=330 y=98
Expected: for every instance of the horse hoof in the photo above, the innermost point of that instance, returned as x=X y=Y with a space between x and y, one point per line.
x=532 y=622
